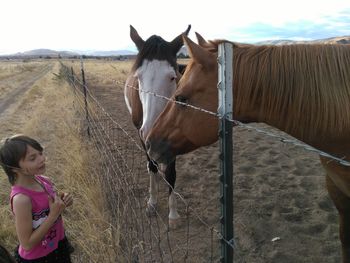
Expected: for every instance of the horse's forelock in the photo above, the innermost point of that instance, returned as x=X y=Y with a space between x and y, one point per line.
x=155 y=48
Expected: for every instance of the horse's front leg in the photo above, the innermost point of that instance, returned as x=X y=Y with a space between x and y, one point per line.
x=344 y=231
x=152 y=168
x=170 y=176
x=342 y=203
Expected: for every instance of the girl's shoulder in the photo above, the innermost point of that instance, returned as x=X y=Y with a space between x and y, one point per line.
x=20 y=201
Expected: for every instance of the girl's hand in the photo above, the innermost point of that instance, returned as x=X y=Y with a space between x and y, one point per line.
x=56 y=207
x=67 y=199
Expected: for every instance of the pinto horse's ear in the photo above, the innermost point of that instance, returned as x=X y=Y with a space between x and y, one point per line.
x=201 y=41
x=200 y=54
x=177 y=42
x=136 y=38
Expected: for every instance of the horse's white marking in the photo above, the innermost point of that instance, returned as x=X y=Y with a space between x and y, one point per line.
x=157 y=77
x=152 y=201
x=173 y=214
x=127 y=103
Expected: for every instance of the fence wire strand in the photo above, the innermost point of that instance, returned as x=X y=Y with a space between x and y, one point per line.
x=126 y=174
x=295 y=142
x=120 y=175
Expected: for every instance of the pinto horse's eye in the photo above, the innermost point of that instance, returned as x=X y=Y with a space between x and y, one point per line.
x=172 y=78
x=181 y=99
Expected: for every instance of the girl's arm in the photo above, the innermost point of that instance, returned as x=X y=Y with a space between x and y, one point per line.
x=22 y=208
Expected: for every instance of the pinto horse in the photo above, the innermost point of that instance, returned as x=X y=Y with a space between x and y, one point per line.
x=155 y=72
x=303 y=90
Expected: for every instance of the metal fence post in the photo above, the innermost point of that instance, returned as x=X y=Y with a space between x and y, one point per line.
x=85 y=96
x=225 y=78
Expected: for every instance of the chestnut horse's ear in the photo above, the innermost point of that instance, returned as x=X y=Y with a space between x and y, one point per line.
x=177 y=42
x=136 y=38
x=200 y=54
x=201 y=41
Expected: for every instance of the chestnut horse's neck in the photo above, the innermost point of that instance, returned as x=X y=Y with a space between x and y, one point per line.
x=303 y=90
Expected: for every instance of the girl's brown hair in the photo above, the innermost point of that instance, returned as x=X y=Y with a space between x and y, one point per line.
x=14 y=149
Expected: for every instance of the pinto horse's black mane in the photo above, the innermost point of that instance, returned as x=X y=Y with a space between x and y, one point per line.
x=156 y=47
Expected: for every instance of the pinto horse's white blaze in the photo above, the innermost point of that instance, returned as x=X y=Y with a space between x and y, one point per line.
x=154 y=77
x=155 y=71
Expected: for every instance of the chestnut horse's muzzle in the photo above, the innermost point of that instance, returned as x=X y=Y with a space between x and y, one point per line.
x=160 y=150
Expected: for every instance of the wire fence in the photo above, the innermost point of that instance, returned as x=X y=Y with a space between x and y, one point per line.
x=341 y=160
x=143 y=238
x=122 y=169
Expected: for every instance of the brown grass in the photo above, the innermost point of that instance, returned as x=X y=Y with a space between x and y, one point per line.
x=106 y=72
x=46 y=112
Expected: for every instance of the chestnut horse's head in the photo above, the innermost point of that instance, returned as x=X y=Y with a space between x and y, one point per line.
x=156 y=72
x=181 y=129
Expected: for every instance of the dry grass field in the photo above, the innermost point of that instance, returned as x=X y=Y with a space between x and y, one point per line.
x=279 y=189
x=39 y=104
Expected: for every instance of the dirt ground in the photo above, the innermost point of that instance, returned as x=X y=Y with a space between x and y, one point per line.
x=282 y=212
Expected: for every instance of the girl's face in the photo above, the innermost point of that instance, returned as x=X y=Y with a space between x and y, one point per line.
x=33 y=163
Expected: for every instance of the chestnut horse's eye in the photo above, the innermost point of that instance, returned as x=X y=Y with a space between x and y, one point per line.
x=181 y=99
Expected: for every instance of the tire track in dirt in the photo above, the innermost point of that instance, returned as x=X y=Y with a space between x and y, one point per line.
x=13 y=95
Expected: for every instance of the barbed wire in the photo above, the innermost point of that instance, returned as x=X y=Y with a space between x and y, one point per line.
x=159 y=168
x=105 y=139
x=283 y=139
x=106 y=113
x=295 y=142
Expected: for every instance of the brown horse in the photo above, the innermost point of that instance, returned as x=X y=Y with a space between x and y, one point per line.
x=303 y=90
x=155 y=72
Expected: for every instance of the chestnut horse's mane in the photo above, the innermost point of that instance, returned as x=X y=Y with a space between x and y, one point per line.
x=309 y=85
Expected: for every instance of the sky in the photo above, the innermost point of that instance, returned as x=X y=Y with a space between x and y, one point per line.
x=104 y=24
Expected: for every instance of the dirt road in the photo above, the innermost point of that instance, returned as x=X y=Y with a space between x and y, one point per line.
x=14 y=86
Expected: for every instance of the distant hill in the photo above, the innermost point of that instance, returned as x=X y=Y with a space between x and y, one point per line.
x=44 y=53
x=48 y=53
x=332 y=40
x=54 y=53
x=109 y=53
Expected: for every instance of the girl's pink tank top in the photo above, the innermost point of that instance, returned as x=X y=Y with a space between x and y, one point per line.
x=40 y=211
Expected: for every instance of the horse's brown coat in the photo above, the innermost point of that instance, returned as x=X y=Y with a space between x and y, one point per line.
x=303 y=90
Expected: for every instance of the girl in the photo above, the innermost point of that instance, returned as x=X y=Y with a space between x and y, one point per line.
x=37 y=208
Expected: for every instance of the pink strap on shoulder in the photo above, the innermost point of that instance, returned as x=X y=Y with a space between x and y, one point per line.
x=44 y=182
